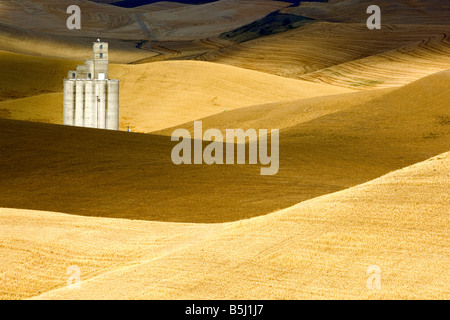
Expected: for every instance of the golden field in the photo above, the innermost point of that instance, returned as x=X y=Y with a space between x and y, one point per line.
x=364 y=120
x=319 y=248
x=180 y=91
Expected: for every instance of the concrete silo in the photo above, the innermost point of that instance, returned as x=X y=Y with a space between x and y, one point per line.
x=69 y=102
x=79 y=103
x=112 y=108
x=90 y=98
x=100 y=89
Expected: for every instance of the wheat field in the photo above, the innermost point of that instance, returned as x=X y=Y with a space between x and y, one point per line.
x=320 y=248
x=364 y=171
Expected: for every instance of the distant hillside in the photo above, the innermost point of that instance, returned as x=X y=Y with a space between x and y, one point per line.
x=273 y=23
x=138 y=3
x=129 y=175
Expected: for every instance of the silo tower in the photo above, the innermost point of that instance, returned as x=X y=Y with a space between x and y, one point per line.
x=91 y=99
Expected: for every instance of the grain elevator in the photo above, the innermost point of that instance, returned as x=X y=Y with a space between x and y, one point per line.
x=91 y=99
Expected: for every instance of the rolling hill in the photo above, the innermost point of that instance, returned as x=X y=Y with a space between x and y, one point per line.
x=83 y=170
x=155 y=31
x=345 y=54
x=364 y=139
x=153 y=96
x=320 y=248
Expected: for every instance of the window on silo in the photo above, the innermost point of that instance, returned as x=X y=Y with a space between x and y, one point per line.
x=101 y=47
x=101 y=55
x=89 y=75
x=73 y=75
